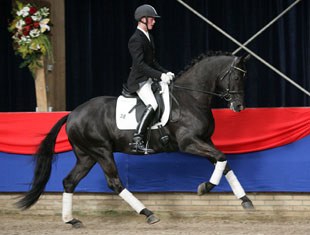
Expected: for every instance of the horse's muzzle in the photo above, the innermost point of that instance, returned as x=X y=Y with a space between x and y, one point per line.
x=236 y=106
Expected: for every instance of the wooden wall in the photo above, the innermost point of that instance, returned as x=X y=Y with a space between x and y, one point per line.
x=56 y=78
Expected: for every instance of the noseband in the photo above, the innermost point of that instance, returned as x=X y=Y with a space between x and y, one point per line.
x=227 y=93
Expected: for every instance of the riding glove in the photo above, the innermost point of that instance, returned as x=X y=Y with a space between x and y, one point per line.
x=171 y=75
x=165 y=78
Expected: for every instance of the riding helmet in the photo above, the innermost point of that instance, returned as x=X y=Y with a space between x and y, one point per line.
x=145 y=11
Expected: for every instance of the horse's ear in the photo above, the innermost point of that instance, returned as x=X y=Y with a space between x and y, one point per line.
x=245 y=57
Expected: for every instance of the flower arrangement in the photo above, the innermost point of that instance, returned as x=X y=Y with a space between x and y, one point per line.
x=30 y=28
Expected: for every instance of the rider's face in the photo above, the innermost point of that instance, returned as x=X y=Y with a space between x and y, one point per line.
x=150 y=21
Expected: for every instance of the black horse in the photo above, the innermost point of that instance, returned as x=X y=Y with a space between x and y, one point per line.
x=92 y=132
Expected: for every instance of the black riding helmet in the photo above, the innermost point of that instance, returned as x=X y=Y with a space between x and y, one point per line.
x=145 y=11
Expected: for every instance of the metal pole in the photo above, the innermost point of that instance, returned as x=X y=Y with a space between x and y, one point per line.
x=267 y=26
x=245 y=48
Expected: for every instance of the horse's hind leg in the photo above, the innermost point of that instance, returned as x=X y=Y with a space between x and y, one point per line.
x=237 y=188
x=109 y=167
x=83 y=166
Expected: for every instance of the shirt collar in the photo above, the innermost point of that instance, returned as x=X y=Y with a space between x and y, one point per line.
x=145 y=33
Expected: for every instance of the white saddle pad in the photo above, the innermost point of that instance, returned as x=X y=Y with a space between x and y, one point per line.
x=127 y=121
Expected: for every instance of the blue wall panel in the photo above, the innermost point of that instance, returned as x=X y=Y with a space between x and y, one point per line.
x=282 y=169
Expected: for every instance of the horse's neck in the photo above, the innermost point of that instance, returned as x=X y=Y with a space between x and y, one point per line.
x=199 y=79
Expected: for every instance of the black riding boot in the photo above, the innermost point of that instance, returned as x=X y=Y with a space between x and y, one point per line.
x=138 y=145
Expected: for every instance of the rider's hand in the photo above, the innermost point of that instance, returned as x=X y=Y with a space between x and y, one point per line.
x=171 y=75
x=165 y=78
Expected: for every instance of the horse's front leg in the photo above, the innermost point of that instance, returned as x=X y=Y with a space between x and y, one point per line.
x=215 y=178
x=237 y=188
x=215 y=156
x=232 y=180
x=201 y=148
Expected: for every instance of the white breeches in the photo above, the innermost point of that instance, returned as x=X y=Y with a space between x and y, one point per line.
x=146 y=94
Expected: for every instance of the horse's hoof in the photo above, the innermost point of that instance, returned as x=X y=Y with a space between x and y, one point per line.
x=75 y=223
x=202 y=189
x=248 y=205
x=152 y=219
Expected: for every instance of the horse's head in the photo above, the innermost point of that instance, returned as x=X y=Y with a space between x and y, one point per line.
x=220 y=75
x=231 y=83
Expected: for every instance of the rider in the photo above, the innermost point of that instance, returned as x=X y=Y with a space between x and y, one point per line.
x=144 y=71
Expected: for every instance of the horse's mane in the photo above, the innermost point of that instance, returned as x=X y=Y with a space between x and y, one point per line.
x=201 y=57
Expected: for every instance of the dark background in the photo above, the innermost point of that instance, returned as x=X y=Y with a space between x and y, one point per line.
x=98 y=61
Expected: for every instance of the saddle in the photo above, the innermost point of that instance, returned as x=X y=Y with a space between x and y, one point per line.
x=140 y=106
x=129 y=107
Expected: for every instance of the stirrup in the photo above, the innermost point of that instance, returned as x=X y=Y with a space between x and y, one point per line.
x=139 y=147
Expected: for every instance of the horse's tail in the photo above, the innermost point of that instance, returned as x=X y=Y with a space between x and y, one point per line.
x=43 y=166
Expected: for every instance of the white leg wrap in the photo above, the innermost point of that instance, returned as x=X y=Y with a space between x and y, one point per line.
x=67 y=207
x=218 y=172
x=132 y=200
x=235 y=184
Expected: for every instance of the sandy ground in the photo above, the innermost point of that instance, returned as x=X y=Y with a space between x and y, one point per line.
x=11 y=224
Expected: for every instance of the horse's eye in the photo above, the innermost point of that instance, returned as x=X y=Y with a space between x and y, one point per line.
x=236 y=77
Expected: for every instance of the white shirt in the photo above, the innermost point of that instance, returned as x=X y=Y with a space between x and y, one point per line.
x=145 y=33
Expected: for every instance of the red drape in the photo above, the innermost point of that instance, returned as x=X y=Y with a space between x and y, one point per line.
x=251 y=130
x=260 y=128
x=22 y=132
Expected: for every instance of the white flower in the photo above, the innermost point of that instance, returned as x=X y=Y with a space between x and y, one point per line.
x=44 y=25
x=19 y=25
x=23 y=12
x=24 y=40
x=36 y=16
x=34 y=33
x=44 y=11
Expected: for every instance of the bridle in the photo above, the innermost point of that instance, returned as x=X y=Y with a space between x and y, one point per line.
x=227 y=93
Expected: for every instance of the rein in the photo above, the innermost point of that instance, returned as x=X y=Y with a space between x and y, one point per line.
x=221 y=95
x=226 y=95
